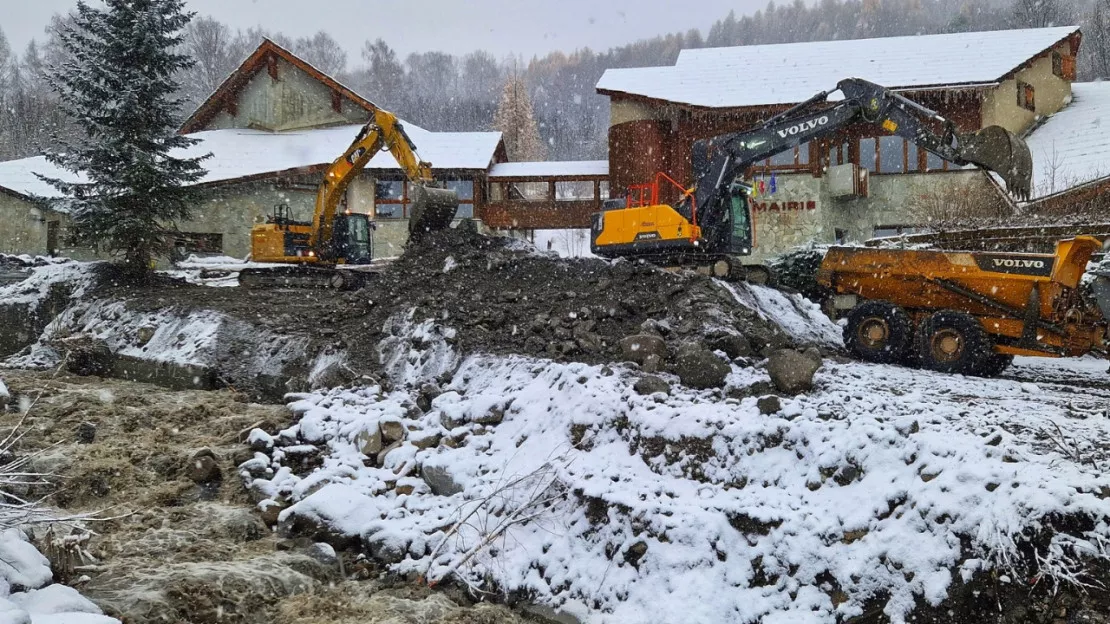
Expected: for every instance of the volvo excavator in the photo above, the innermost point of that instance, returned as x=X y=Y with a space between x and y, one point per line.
x=710 y=227
x=324 y=252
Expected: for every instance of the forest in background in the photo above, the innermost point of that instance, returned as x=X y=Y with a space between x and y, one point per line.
x=439 y=91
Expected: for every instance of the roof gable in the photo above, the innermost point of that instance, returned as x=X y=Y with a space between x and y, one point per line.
x=269 y=59
x=763 y=75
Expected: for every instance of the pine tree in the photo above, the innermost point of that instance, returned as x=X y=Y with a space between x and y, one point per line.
x=516 y=121
x=117 y=84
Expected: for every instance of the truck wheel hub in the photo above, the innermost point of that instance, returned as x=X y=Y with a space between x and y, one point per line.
x=948 y=344
x=874 y=332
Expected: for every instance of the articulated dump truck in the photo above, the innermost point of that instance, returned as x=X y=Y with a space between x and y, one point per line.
x=968 y=312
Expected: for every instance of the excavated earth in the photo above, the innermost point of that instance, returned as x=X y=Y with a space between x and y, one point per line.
x=166 y=549
x=501 y=296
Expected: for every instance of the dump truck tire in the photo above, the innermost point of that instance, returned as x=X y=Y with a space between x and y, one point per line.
x=994 y=364
x=953 y=342
x=879 y=332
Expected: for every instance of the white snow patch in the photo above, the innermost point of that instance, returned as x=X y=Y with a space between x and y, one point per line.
x=568 y=243
x=21 y=565
x=414 y=352
x=797 y=316
x=449 y=264
x=54 y=599
x=36 y=288
x=755 y=496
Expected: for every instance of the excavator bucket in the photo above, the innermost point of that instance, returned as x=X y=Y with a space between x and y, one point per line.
x=432 y=209
x=1001 y=151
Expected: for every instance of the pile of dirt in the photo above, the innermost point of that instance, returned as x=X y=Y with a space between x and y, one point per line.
x=505 y=298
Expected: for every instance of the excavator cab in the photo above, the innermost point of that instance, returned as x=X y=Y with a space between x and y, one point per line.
x=351 y=237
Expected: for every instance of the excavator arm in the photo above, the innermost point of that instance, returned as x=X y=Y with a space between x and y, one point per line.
x=719 y=160
x=432 y=208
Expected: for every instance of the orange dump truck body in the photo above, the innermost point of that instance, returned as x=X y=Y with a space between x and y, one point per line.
x=1028 y=304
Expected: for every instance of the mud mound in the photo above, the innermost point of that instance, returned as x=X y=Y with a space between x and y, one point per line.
x=503 y=297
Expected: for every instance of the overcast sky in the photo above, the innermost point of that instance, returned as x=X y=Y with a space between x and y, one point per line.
x=503 y=27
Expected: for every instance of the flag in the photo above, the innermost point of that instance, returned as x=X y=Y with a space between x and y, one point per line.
x=755 y=188
x=774 y=185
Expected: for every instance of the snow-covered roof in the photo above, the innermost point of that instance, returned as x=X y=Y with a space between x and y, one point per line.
x=239 y=153
x=762 y=75
x=1073 y=146
x=568 y=168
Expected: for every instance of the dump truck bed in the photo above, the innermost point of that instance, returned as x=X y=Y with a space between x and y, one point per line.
x=1029 y=303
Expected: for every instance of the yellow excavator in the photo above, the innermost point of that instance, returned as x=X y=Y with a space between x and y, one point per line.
x=317 y=253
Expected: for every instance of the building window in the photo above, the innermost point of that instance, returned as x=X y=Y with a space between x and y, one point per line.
x=883 y=231
x=791 y=159
x=187 y=243
x=574 y=191
x=1026 y=97
x=389 y=199
x=892 y=154
x=868 y=154
x=1063 y=66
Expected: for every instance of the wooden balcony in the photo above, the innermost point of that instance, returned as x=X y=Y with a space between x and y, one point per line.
x=544 y=195
x=539 y=214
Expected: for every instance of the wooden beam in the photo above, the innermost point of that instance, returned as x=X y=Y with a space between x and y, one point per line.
x=336 y=101
x=272 y=65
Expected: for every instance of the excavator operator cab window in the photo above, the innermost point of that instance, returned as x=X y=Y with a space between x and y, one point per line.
x=739 y=217
x=352 y=238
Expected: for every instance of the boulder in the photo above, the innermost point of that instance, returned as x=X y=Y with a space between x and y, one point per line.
x=369 y=443
x=733 y=345
x=650 y=384
x=698 y=367
x=203 y=467
x=791 y=371
x=392 y=431
x=85 y=355
x=769 y=405
x=638 y=347
x=652 y=364
x=439 y=480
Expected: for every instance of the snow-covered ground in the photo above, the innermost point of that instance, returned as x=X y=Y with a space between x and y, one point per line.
x=560 y=481
x=571 y=243
x=27 y=595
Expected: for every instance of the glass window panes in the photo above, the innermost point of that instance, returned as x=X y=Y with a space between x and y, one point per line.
x=463 y=188
x=388 y=211
x=574 y=191
x=892 y=159
x=783 y=158
x=933 y=162
x=867 y=154
x=803 y=154
x=466 y=211
x=389 y=189
x=911 y=157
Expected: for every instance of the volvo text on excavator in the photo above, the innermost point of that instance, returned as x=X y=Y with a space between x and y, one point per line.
x=312 y=251
x=711 y=226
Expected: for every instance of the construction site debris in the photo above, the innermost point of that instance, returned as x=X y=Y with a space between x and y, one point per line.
x=792 y=371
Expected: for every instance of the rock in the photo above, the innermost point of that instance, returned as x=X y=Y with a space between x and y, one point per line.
x=86 y=433
x=439 y=480
x=698 y=367
x=386 y=548
x=635 y=553
x=493 y=416
x=333 y=375
x=650 y=384
x=386 y=451
x=324 y=553
x=392 y=430
x=733 y=345
x=637 y=347
x=369 y=443
x=203 y=467
x=792 y=372
x=652 y=364
x=769 y=405
x=427 y=394
x=144 y=334
x=270 y=512
x=404 y=489
x=423 y=440
x=85 y=355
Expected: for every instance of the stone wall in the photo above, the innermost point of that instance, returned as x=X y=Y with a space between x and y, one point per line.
x=23 y=228
x=1000 y=106
x=802 y=211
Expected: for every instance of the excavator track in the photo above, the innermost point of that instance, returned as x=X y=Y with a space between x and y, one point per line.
x=303 y=277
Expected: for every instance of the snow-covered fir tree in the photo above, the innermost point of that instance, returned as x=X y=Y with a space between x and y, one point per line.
x=117 y=84
x=517 y=123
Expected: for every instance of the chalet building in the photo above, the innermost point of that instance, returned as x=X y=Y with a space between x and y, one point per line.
x=1009 y=78
x=272 y=128
x=1071 y=158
